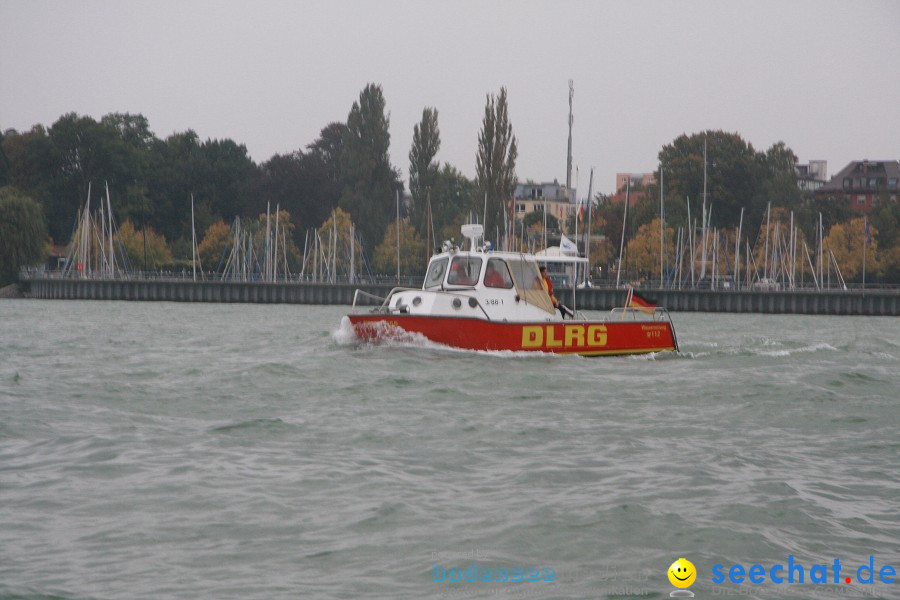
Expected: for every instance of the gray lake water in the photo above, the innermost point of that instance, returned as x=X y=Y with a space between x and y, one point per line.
x=158 y=450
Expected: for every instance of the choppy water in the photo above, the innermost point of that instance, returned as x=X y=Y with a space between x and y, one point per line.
x=155 y=450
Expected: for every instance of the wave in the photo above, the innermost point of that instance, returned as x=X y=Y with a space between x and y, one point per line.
x=268 y=425
x=802 y=349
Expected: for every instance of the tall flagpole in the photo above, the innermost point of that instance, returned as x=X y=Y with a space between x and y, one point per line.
x=662 y=228
x=398 y=237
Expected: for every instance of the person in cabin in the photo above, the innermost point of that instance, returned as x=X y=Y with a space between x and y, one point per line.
x=459 y=273
x=493 y=278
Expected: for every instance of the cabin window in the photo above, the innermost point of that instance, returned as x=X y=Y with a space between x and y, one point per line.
x=436 y=272
x=464 y=270
x=497 y=274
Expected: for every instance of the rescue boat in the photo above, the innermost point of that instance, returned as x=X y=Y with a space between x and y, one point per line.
x=479 y=299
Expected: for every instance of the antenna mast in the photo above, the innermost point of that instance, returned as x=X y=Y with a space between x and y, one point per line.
x=569 y=161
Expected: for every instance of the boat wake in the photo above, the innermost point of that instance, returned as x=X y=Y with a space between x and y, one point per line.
x=344 y=334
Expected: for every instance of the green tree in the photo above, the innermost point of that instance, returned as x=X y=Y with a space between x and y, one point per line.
x=23 y=234
x=307 y=184
x=323 y=166
x=423 y=170
x=607 y=221
x=452 y=197
x=496 y=160
x=732 y=167
x=886 y=219
x=4 y=164
x=31 y=168
x=537 y=216
x=369 y=181
x=86 y=153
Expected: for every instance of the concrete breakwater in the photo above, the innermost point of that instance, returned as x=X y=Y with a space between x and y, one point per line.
x=832 y=302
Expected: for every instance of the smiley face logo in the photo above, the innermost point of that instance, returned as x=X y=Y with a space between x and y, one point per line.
x=682 y=573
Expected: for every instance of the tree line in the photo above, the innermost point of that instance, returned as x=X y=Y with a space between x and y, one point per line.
x=347 y=168
x=152 y=180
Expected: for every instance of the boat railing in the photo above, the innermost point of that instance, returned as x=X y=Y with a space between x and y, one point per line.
x=383 y=300
x=385 y=306
x=658 y=313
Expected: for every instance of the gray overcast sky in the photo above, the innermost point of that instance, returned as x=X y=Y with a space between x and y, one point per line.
x=821 y=76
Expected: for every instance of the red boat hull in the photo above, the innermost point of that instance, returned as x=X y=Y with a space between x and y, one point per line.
x=588 y=338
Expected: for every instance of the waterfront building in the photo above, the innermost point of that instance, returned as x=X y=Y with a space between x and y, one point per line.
x=863 y=183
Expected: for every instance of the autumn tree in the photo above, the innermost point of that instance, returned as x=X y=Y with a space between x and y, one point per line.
x=496 y=161
x=412 y=251
x=158 y=253
x=848 y=242
x=216 y=240
x=340 y=223
x=644 y=250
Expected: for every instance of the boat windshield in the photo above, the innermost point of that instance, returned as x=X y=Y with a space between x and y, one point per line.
x=436 y=272
x=464 y=270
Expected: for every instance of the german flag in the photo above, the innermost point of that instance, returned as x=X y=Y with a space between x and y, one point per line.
x=641 y=303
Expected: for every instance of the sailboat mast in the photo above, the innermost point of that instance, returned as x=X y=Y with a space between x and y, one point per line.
x=703 y=222
x=587 y=248
x=275 y=259
x=193 y=240
x=624 y=220
x=112 y=260
x=737 y=252
x=352 y=253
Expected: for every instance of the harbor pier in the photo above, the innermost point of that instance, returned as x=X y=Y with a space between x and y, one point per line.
x=809 y=302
